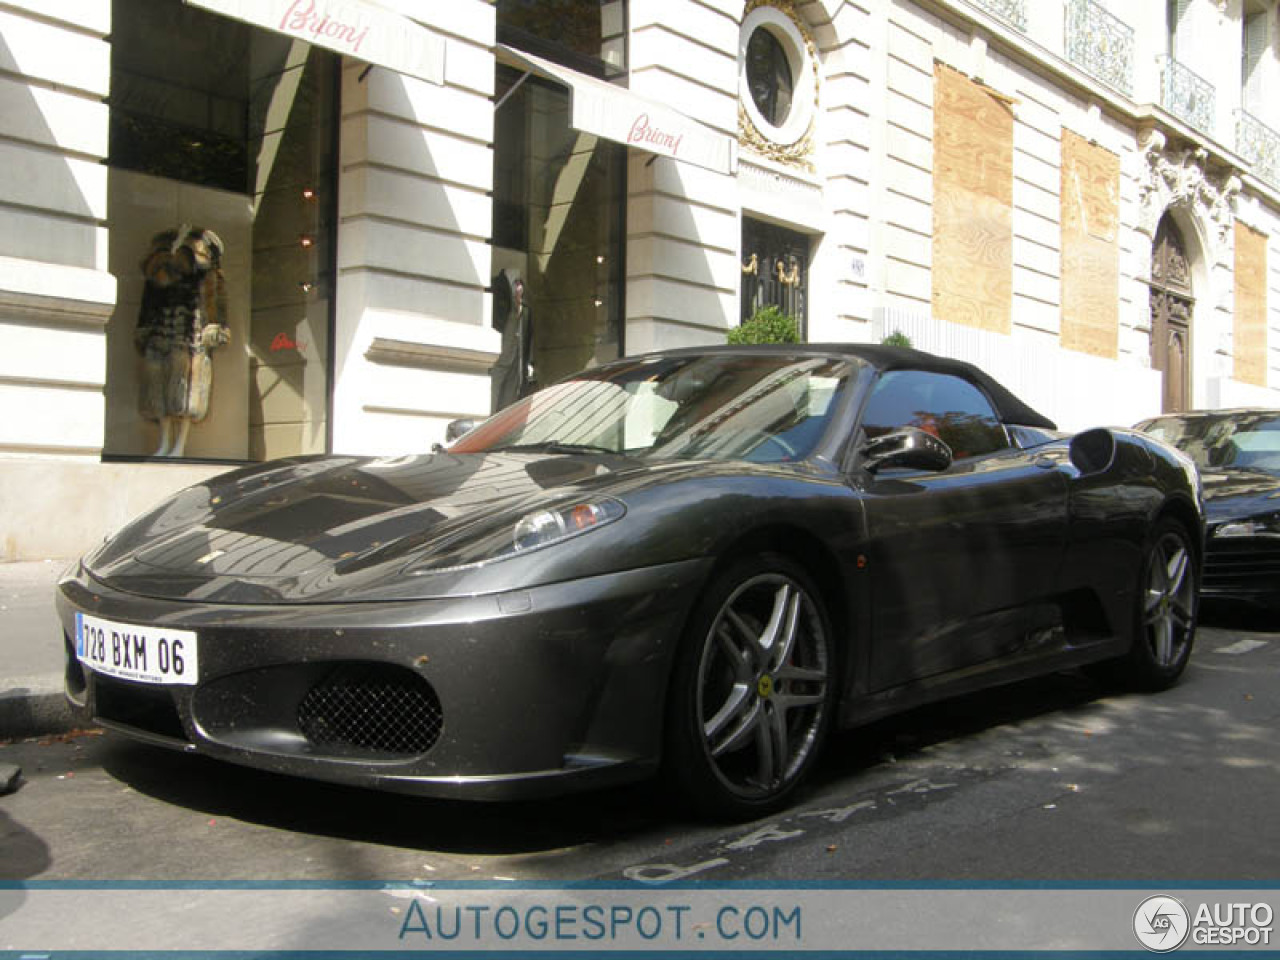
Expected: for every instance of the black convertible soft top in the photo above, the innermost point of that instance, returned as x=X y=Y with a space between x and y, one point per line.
x=1009 y=407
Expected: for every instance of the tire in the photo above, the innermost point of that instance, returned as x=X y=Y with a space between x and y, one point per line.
x=752 y=690
x=1165 y=610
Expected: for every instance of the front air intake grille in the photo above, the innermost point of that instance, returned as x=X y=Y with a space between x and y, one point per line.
x=371 y=707
x=1242 y=567
x=142 y=706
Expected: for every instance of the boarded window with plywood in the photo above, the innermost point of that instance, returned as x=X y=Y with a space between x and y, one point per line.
x=972 y=203
x=1090 y=247
x=1251 y=306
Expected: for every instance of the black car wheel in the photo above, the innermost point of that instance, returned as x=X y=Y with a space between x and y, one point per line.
x=1166 y=614
x=752 y=690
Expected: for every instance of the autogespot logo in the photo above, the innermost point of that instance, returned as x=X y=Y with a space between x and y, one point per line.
x=1161 y=923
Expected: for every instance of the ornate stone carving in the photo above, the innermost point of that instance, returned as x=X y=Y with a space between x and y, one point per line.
x=798 y=154
x=1180 y=178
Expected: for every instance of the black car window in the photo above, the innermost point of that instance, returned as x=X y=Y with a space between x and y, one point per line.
x=948 y=407
x=1227 y=441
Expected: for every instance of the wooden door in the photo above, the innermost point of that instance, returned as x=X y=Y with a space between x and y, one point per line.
x=1171 y=310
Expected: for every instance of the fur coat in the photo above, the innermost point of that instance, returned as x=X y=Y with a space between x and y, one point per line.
x=183 y=318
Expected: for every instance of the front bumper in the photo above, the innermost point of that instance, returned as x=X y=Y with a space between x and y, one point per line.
x=504 y=696
x=1245 y=569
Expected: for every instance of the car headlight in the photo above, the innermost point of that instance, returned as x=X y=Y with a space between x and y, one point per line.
x=490 y=541
x=544 y=527
x=1253 y=527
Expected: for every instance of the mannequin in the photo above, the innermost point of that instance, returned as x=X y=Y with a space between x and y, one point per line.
x=182 y=321
x=513 y=374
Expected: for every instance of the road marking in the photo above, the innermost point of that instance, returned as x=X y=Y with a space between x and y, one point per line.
x=898 y=798
x=924 y=785
x=769 y=832
x=1247 y=645
x=655 y=873
x=840 y=814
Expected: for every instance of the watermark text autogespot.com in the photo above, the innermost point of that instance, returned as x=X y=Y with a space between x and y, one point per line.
x=477 y=924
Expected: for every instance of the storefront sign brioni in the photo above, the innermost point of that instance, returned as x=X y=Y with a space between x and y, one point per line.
x=617 y=114
x=607 y=111
x=352 y=27
x=654 y=137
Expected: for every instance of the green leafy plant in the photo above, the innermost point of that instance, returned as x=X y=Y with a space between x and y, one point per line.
x=897 y=339
x=767 y=325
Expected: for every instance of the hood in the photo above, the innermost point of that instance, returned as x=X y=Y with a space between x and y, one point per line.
x=1235 y=494
x=302 y=520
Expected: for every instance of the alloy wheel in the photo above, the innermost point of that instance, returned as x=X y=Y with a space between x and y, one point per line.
x=762 y=686
x=1169 y=604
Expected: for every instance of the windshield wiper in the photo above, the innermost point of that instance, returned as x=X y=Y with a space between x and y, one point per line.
x=554 y=446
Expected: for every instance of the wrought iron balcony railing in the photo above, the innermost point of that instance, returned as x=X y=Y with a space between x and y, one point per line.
x=1013 y=12
x=1187 y=95
x=1260 y=145
x=1101 y=44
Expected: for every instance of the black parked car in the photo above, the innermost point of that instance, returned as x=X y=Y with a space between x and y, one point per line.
x=1238 y=455
x=700 y=560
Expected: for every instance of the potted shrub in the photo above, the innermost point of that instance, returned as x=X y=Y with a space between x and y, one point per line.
x=767 y=325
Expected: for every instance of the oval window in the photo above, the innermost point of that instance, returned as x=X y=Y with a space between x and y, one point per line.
x=769 y=76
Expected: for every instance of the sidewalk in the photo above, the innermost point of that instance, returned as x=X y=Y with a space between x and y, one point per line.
x=31 y=701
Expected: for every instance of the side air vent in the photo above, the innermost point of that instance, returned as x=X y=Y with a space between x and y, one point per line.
x=1093 y=450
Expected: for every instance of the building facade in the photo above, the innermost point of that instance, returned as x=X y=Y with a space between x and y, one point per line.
x=232 y=231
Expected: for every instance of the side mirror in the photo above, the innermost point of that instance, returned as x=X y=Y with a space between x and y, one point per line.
x=909 y=448
x=457 y=428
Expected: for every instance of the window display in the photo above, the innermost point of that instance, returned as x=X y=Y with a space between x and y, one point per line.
x=559 y=202
x=182 y=320
x=220 y=206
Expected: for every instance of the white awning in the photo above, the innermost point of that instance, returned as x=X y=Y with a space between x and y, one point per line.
x=356 y=28
x=615 y=113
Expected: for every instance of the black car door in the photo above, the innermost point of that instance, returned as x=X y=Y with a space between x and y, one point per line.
x=964 y=563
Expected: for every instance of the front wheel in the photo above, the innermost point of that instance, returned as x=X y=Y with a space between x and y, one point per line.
x=1165 y=618
x=753 y=690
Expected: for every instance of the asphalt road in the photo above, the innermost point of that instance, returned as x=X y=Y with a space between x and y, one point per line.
x=1054 y=780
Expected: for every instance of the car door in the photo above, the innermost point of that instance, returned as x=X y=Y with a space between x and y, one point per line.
x=964 y=562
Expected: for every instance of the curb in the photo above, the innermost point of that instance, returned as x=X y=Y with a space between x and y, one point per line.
x=35 y=709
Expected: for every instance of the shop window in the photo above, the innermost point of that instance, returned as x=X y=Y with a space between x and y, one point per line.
x=586 y=35
x=558 y=207
x=220 y=206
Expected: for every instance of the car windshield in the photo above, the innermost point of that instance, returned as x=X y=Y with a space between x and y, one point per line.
x=764 y=408
x=1228 y=442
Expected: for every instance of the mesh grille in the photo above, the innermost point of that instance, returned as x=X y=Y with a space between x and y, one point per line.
x=372 y=707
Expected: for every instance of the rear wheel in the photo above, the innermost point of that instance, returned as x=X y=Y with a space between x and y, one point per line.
x=752 y=691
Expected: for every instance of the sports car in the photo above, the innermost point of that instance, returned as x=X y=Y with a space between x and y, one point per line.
x=696 y=562
x=1238 y=454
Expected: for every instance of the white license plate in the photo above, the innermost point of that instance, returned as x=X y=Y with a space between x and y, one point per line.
x=133 y=652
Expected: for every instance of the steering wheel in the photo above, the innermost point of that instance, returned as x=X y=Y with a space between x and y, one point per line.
x=788 y=451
